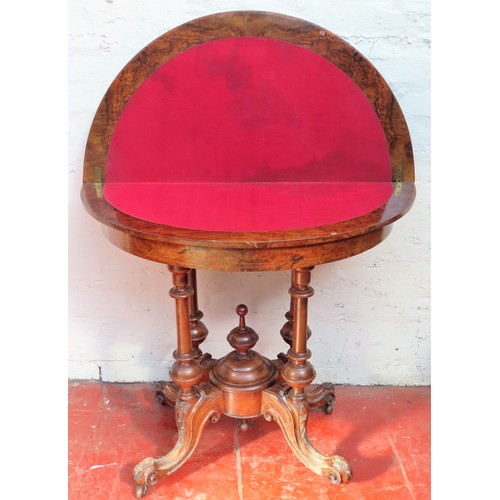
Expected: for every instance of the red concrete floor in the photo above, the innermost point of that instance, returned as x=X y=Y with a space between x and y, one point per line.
x=384 y=432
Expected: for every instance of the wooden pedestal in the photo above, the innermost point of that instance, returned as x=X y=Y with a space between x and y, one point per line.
x=243 y=384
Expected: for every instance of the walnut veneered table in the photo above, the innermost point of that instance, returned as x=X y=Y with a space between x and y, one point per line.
x=247 y=141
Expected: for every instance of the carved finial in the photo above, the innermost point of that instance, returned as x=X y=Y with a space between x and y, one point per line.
x=242 y=338
x=242 y=311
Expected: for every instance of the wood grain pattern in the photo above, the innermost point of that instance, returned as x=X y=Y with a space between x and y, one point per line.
x=249 y=23
x=251 y=251
x=257 y=251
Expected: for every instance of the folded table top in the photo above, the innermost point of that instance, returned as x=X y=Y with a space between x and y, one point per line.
x=247 y=141
x=248 y=134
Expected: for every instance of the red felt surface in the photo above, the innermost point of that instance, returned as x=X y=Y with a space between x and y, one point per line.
x=248 y=134
x=250 y=207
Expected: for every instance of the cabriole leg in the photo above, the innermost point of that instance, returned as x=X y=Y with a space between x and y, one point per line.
x=291 y=415
x=191 y=417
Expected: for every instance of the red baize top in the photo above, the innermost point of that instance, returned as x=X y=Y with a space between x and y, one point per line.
x=248 y=134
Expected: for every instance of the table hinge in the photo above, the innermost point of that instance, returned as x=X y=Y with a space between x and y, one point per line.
x=97 y=182
x=399 y=180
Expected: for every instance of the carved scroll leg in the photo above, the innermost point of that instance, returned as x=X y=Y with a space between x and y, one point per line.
x=291 y=416
x=191 y=417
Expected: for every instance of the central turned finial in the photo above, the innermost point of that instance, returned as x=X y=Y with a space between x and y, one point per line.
x=242 y=311
x=242 y=338
x=243 y=373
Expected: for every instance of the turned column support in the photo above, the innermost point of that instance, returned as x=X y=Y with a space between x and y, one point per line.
x=319 y=396
x=186 y=371
x=298 y=373
x=197 y=328
x=167 y=392
x=287 y=329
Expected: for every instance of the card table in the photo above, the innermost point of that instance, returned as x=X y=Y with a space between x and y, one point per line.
x=246 y=141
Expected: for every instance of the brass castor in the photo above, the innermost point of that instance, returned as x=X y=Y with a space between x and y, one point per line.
x=329 y=402
x=140 y=490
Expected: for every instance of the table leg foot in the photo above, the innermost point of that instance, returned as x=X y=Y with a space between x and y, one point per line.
x=342 y=472
x=291 y=415
x=166 y=393
x=191 y=417
x=321 y=397
x=140 y=490
x=244 y=425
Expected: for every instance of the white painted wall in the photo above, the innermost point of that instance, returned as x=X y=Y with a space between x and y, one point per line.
x=370 y=316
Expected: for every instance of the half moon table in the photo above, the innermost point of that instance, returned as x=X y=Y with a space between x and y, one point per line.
x=246 y=141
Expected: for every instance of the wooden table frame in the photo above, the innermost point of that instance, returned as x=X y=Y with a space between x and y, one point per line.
x=244 y=384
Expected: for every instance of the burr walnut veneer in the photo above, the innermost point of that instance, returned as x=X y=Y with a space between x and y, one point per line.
x=246 y=141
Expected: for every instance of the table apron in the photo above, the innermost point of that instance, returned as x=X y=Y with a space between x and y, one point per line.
x=244 y=259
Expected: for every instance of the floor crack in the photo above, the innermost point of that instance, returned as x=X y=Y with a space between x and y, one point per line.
x=401 y=467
